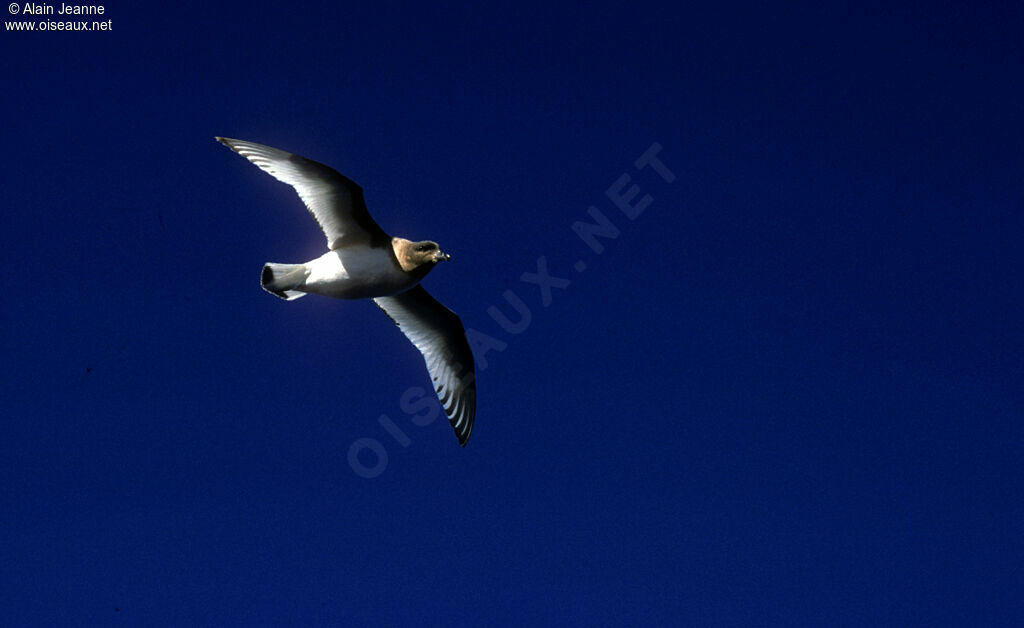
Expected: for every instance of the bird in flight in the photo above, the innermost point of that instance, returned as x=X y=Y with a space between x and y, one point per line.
x=363 y=262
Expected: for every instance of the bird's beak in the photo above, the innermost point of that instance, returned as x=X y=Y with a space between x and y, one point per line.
x=442 y=257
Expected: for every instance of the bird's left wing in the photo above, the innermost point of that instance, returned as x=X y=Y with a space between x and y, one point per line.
x=334 y=200
x=439 y=335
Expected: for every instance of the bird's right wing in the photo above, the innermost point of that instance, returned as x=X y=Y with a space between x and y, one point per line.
x=439 y=335
x=335 y=201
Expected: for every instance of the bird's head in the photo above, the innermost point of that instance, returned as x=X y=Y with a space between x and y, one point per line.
x=429 y=252
x=418 y=257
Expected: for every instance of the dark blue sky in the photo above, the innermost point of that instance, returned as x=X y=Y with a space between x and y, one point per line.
x=788 y=392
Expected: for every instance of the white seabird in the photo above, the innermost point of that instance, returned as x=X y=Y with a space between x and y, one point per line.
x=363 y=262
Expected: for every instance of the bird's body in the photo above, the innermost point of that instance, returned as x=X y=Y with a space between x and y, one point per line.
x=363 y=262
x=360 y=272
x=355 y=272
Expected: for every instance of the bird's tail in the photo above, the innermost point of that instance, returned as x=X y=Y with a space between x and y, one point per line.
x=282 y=279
